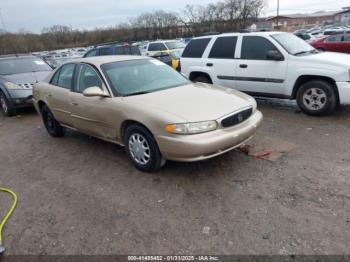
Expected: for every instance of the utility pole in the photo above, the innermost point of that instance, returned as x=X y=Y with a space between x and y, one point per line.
x=2 y=22
x=278 y=13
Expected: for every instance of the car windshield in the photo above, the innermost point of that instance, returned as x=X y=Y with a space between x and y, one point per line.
x=293 y=44
x=141 y=76
x=175 y=45
x=22 y=65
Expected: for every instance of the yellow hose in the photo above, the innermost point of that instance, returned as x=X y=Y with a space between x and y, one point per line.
x=9 y=213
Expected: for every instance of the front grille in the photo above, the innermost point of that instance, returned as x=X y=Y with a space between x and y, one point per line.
x=26 y=85
x=237 y=118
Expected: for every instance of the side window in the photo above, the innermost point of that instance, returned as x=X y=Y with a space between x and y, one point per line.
x=54 y=80
x=224 y=47
x=65 y=77
x=256 y=48
x=106 y=51
x=337 y=38
x=91 y=53
x=346 y=38
x=88 y=77
x=196 y=47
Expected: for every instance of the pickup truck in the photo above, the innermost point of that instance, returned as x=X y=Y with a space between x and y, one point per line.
x=271 y=64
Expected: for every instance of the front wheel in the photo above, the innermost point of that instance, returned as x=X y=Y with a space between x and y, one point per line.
x=5 y=105
x=142 y=149
x=317 y=97
x=52 y=126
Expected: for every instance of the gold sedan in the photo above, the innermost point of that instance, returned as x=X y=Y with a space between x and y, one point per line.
x=146 y=106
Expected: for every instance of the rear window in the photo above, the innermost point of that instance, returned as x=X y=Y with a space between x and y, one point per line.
x=105 y=51
x=224 y=47
x=196 y=47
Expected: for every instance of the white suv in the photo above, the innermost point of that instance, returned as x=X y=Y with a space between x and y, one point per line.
x=271 y=64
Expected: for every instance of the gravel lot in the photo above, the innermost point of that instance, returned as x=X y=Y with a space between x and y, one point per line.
x=80 y=195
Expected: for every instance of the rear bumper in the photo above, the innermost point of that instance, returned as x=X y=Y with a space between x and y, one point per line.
x=199 y=147
x=344 y=92
x=20 y=98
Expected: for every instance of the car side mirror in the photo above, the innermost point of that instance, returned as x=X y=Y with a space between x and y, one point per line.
x=94 y=91
x=274 y=55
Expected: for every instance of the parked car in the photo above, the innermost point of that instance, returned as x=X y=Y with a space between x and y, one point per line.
x=18 y=73
x=306 y=37
x=113 y=49
x=271 y=64
x=147 y=106
x=333 y=43
x=171 y=58
x=164 y=45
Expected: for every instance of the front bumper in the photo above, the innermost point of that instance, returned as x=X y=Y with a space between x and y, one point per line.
x=344 y=92
x=189 y=148
x=20 y=98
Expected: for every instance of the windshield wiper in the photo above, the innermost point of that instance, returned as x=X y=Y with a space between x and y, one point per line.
x=301 y=52
x=138 y=93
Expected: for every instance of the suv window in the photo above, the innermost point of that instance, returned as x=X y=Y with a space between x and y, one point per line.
x=195 y=48
x=65 y=77
x=88 y=77
x=106 y=51
x=346 y=38
x=256 y=48
x=224 y=47
x=156 y=47
x=91 y=53
x=337 y=38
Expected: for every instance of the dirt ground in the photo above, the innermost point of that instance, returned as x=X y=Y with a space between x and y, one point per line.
x=80 y=195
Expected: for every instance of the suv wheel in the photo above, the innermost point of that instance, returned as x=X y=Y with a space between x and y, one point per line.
x=52 y=126
x=202 y=79
x=317 y=97
x=5 y=106
x=142 y=149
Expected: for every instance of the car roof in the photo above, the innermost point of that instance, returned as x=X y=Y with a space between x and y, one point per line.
x=16 y=56
x=99 y=60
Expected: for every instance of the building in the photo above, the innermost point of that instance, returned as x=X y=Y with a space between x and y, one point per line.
x=296 y=21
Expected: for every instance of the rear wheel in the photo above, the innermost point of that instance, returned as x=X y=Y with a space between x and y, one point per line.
x=142 y=149
x=52 y=126
x=7 y=110
x=317 y=97
x=202 y=79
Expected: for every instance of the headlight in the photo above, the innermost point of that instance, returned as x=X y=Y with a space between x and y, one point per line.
x=192 y=128
x=11 y=85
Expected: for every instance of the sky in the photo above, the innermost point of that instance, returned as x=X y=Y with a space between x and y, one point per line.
x=33 y=15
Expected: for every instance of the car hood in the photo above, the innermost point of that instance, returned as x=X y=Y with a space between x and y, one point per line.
x=26 y=78
x=329 y=58
x=195 y=102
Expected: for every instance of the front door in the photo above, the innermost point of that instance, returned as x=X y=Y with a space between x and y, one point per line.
x=255 y=73
x=91 y=115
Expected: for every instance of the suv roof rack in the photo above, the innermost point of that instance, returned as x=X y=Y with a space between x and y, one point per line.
x=210 y=33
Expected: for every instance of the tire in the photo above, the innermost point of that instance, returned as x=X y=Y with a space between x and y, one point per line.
x=142 y=149
x=6 y=108
x=52 y=126
x=320 y=49
x=317 y=97
x=202 y=79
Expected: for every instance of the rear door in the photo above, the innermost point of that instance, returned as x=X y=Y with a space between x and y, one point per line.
x=255 y=73
x=221 y=59
x=334 y=43
x=58 y=95
x=91 y=114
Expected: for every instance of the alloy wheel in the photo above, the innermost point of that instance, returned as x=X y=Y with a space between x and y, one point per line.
x=315 y=98
x=3 y=103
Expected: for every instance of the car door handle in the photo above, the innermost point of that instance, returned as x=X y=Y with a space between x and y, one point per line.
x=209 y=64
x=243 y=66
x=74 y=103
